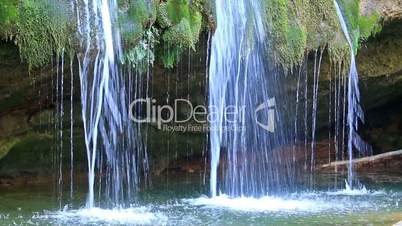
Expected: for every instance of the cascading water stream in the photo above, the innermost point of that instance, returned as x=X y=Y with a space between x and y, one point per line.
x=226 y=54
x=243 y=144
x=354 y=112
x=71 y=129
x=247 y=159
x=112 y=141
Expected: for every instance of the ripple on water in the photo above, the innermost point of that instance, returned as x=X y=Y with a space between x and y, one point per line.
x=263 y=204
x=313 y=202
x=137 y=216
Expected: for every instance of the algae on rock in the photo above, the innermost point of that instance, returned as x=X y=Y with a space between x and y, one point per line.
x=42 y=30
x=8 y=18
x=181 y=24
x=296 y=27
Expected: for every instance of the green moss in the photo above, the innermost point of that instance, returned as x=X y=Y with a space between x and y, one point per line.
x=299 y=26
x=278 y=25
x=170 y=55
x=134 y=18
x=178 y=26
x=180 y=35
x=8 y=17
x=181 y=24
x=6 y=145
x=321 y=22
x=351 y=12
x=369 y=25
x=32 y=150
x=360 y=27
x=42 y=30
x=296 y=27
x=142 y=55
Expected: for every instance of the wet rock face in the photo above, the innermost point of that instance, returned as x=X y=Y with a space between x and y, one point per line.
x=26 y=132
x=28 y=136
x=379 y=62
x=380 y=71
x=27 y=122
x=381 y=55
x=18 y=106
x=389 y=9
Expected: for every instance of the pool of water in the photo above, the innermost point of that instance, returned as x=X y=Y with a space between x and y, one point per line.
x=181 y=200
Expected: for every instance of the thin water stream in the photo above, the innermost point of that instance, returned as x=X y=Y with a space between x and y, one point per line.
x=113 y=144
x=355 y=112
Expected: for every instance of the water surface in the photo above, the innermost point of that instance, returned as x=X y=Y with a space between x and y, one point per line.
x=181 y=200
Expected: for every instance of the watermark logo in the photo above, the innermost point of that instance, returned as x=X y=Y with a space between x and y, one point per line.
x=183 y=116
x=267 y=107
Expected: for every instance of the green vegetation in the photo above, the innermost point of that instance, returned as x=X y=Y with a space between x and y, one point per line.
x=41 y=31
x=39 y=146
x=135 y=17
x=287 y=35
x=350 y=10
x=167 y=28
x=43 y=28
x=6 y=145
x=181 y=24
x=369 y=25
x=39 y=28
x=299 y=26
x=8 y=17
x=142 y=55
x=361 y=27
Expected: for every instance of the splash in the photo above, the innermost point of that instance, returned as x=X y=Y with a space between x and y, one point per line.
x=358 y=190
x=264 y=204
x=131 y=216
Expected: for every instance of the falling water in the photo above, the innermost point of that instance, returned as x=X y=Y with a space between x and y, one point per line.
x=354 y=113
x=59 y=122
x=71 y=128
x=317 y=69
x=61 y=119
x=245 y=145
x=112 y=141
x=249 y=143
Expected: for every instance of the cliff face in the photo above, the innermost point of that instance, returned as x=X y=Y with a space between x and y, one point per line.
x=27 y=126
x=31 y=141
x=390 y=10
x=380 y=67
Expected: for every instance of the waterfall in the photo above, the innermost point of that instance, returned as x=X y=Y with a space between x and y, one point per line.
x=246 y=127
x=354 y=111
x=255 y=119
x=112 y=141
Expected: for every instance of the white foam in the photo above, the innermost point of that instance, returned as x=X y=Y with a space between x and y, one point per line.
x=132 y=216
x=349 y=191
x=264 y=204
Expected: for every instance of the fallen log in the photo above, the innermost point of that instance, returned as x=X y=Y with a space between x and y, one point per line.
x=372 y=160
